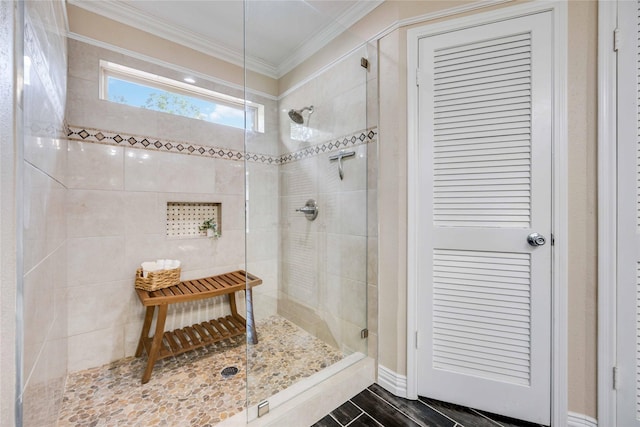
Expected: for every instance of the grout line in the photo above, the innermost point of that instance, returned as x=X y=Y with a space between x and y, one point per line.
x=485 y=416
x=363 y=412
x=335 y=419
x=396 y=408
x=441 y=413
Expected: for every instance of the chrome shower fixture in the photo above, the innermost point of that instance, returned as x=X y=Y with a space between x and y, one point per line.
x=296 y=115
x=341 y=155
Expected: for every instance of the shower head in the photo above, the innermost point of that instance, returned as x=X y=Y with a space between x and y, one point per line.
x=296 y=115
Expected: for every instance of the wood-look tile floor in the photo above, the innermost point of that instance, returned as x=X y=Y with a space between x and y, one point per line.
x=377 y=407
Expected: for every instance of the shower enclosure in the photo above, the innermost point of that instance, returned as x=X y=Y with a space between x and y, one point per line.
x=308 y=220
x=289 y=179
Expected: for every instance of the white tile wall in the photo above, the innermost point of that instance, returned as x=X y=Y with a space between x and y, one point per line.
x=324 y=262
x=95 y=166
x=125 y=191
x=117 y=214
x=44 y=350
x=146 y=170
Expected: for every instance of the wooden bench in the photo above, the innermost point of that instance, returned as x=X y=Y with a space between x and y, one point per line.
x=167 y=344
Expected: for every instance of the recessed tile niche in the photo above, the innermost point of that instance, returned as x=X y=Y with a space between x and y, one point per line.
x=185 y=218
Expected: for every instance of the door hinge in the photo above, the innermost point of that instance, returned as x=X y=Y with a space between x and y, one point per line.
x=417 y=76
x=553 y=240
x=616 y=39
x=364 y=63
x=616 y=378
x=364 y=333
x=417 y=342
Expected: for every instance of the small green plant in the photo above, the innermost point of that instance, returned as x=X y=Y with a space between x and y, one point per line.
x=210 y=224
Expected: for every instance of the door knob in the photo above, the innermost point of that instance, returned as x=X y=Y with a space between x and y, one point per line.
x=536 y=239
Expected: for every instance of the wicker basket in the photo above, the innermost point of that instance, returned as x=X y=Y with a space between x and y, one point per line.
x=157 y=279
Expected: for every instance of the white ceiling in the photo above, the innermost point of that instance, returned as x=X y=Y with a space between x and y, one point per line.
x=280 y=34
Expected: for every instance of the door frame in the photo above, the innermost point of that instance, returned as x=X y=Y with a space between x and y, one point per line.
x=607 y=211
x=559 y=266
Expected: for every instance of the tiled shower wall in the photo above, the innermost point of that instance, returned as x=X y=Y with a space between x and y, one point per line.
x=118 y=190
x=44 y=351
x=116 y=207
x=324 y=263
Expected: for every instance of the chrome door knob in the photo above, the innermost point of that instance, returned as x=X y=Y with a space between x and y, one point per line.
x=536 y=239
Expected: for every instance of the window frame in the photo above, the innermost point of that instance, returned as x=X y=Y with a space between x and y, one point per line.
x=135 y=76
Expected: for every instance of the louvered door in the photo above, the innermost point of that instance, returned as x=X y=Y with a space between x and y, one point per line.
x=628 y=289
x=485 y=122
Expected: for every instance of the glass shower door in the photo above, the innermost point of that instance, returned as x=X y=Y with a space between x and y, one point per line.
x=307 y=216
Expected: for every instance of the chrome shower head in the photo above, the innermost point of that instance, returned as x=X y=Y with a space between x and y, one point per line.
x=296 y=115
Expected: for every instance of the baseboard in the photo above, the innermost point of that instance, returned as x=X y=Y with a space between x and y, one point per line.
x=392 y=382
x=579 y=420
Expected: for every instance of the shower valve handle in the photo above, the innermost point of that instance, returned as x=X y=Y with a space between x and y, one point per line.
x=307 y=210
x=310 y=210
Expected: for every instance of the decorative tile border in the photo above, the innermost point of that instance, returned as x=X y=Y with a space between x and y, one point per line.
x=358 y=138
x=135 y=141
x=97 y=136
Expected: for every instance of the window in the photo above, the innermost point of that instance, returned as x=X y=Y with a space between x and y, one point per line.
x=140 y=89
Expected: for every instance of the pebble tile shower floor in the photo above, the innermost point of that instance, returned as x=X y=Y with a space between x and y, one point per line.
x=189 y=390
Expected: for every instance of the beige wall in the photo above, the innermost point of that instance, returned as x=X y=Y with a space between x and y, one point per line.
x=123 y=36
x=392 y=199
x=582 y=117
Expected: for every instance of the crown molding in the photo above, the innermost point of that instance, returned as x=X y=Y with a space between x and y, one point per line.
x=316 y=42
x=126 y=14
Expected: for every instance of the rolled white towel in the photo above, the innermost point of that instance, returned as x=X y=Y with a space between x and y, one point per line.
x=149 y=266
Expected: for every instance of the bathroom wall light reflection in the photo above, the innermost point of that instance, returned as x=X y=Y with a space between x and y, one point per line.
x=27 y=71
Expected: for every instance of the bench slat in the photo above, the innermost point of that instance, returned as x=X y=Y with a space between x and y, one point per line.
x=213 y=283
x=171 y=337
x=195 y=341
x=199 y=286
x=182 y=337
x=193 y=290
x=204 y=336
x=215 y=334
x=219 y=327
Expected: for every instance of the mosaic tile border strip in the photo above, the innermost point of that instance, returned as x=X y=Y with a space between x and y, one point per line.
x=136 y=141
x=362 y=137
x=98 y=136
